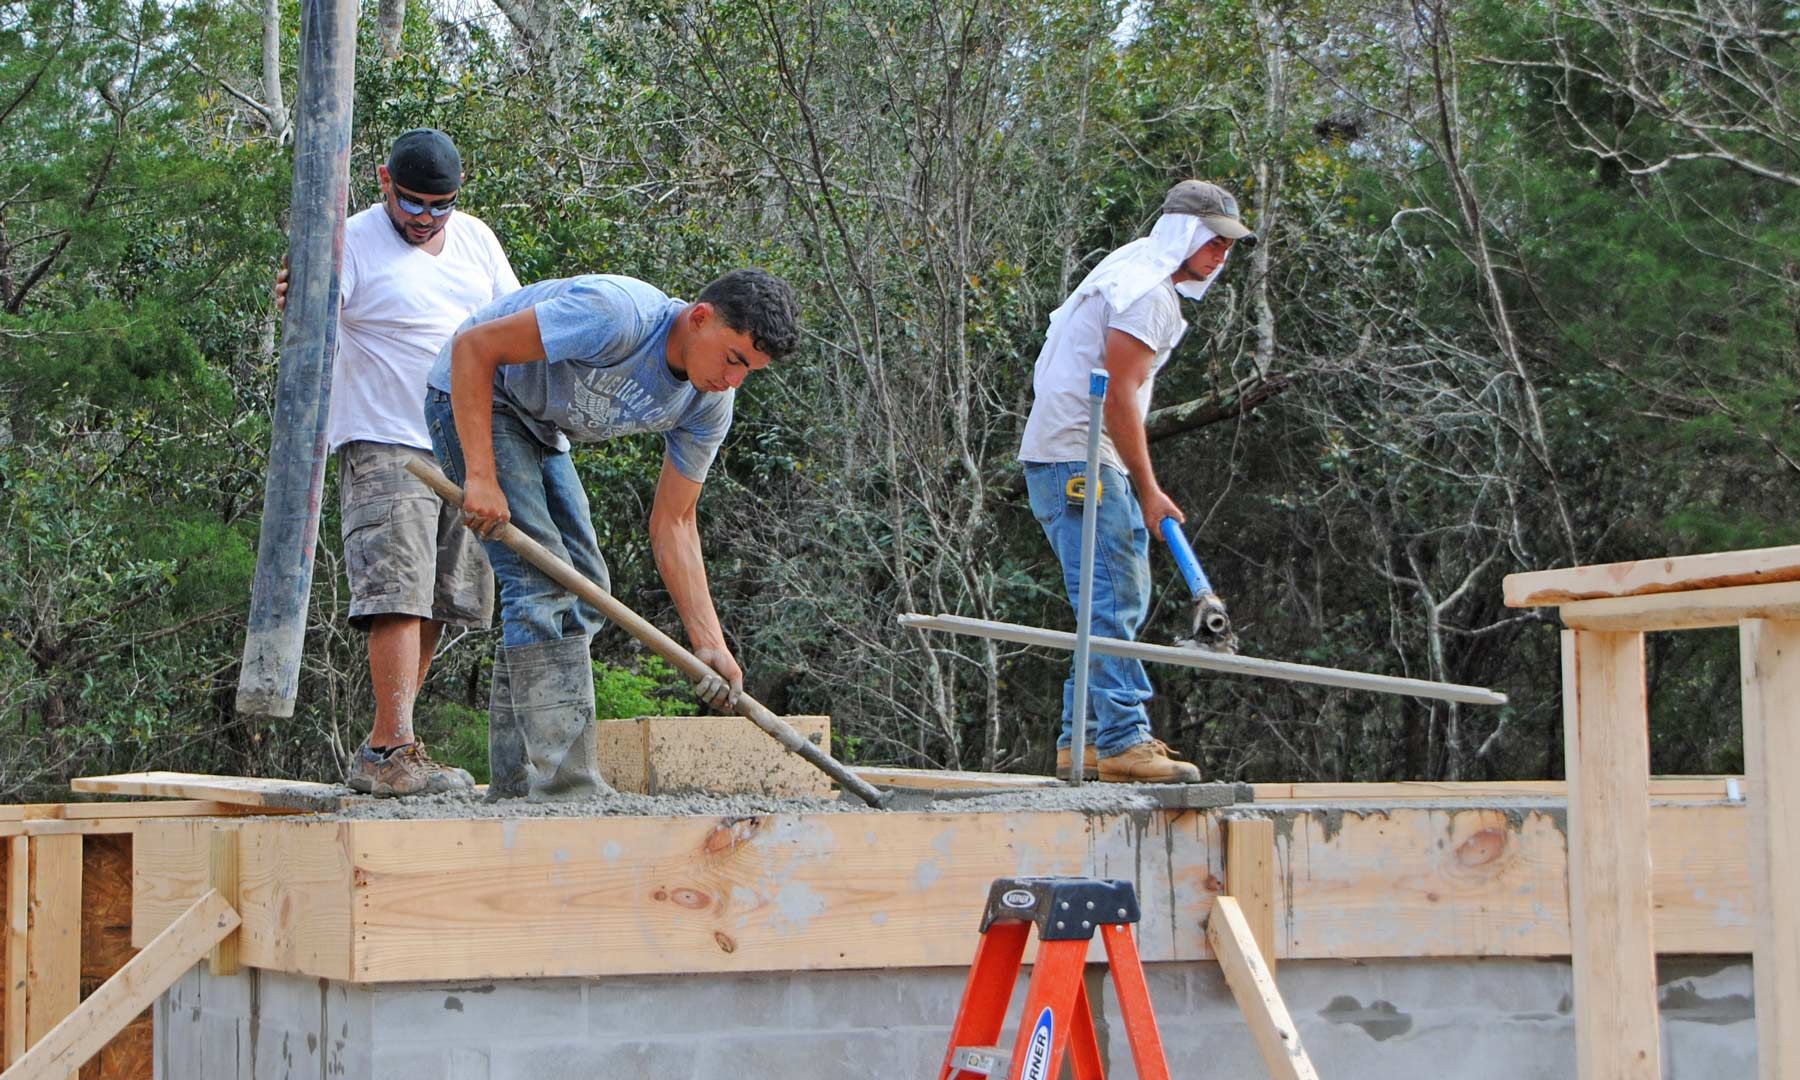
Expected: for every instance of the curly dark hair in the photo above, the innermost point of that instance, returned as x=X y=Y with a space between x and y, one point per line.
x=756 y=302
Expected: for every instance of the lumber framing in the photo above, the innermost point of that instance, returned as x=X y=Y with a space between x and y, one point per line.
x=1770 y=659
x=1253 y=985
x=1685 y=610
x=240 y=790
x=106 y=1012
x=1760 y=566
x=1209 y=661
x=1250 y=880
x=1607 y=746
x=380 y=901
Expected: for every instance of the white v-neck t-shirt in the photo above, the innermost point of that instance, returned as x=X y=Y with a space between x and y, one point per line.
x=399 y=305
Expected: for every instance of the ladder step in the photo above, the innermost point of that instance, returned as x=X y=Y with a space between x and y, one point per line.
x=985 y=1060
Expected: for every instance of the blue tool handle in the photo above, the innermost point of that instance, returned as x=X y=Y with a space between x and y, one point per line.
x=1184 y=557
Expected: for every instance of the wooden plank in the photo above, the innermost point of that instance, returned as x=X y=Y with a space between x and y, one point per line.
x=1253 y=985
x=1381 y=882
x=1770 y=659
x=527 y=897
x=294 y=887
x=18 y=927
x=1401 y=792
x=1684 y=610
x=953 y=780
x=1760 y=566
x=222 y=875
x=53 y=943
x=243 y=790
x=109 y=1009
x=1607 y=746
x=1209 y=661
x=1250 y=878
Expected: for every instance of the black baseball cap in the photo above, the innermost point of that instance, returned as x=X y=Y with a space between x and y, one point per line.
x=424 y=160
x=1211 y=204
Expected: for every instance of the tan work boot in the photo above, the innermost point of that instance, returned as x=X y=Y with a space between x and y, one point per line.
x=406 y=770
x=1065 y=762
x=1148 y=763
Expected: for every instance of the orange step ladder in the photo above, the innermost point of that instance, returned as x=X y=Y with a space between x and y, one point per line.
x=1058 y=1016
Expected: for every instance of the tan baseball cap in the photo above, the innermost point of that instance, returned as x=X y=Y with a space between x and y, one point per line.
x=1211 y=204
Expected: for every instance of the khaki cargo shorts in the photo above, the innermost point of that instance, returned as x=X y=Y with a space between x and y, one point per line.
x=406 y=550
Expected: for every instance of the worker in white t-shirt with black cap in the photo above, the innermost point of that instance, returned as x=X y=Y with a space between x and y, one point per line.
x=415 y=266
x=1125 y=316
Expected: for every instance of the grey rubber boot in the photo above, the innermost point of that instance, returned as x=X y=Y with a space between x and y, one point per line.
x=507 y=777
x=553 y=704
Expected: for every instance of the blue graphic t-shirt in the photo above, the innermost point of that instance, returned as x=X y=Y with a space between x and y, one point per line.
x=605 y=372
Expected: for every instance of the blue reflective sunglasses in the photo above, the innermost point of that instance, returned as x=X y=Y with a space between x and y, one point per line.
x=438 y=210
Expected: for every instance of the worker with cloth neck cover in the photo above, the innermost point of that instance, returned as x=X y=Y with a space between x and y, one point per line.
x=587 y=359
x=1125 y=317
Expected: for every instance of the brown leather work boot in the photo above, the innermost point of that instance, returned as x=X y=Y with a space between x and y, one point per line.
x=405 y=770
x=1148 y=763
x=1065 y=762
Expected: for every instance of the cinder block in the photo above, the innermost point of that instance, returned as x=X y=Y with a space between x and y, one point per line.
x=720 y=755
x=586 y=1060
x=652 y=1006
x=414 y=1061
x=512 y=1009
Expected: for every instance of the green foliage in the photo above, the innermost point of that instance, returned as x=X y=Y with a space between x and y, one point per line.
x=648 y=688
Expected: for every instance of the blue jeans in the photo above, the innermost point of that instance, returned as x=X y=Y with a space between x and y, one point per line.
x=1117 y=687
x=547 y=503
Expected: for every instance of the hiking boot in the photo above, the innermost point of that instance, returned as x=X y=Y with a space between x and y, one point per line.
x=1148 y=763
x=1065 y=762
x=405 y=770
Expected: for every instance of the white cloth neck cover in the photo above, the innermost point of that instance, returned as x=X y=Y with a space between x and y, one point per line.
x=1133 y=270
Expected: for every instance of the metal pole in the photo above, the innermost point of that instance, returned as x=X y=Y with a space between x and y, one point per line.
x=1084 y=609
x=290 y=522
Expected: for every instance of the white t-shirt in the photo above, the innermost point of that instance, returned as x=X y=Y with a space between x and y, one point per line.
x=400 y=304
x=1057 y=429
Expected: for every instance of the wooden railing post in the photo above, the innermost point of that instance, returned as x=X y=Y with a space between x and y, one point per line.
x=1770 y=661
x=1607 y=744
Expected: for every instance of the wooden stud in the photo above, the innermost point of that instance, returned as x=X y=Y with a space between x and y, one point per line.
x=223 y=877
x=53 y=945
x=1250 y=878
x=1685 y=610
x=1253 y=985
x=1543 y=588
x=1770 y=659
x=1709 y=788
x=950 y=780
x=18 y=926
x=106 y=1012
x=1607 y=744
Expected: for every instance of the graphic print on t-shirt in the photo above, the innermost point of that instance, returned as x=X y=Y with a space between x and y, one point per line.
x=611 y=402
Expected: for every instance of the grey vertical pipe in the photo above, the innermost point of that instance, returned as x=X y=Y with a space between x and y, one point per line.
x=290 y=523
x=1084 y=610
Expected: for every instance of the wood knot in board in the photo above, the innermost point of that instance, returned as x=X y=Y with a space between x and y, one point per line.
x=728 y=836
x=725 y=942
x=683 y=896
x=1212 y=884
x=1482 y=848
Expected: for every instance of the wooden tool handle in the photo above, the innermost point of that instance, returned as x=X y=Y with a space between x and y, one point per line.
x=559 y=571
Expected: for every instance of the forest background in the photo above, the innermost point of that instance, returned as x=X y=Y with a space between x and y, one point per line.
x=1527 y=297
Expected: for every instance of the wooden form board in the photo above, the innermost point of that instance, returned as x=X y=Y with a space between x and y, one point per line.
x=418 y=900
x=1762 y=566
x=953 y=780
x=1685 y=610
x=1770 y=659
x=1703 y=788
x=242 y=790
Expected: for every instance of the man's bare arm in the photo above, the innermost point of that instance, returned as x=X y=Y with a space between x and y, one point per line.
x=1128 y=363
x=475 y=355
x=675 y=542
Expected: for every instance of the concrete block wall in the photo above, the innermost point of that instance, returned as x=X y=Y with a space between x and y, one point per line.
x=1433 y=1020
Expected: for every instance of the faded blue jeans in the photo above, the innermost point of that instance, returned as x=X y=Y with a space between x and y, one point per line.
x=1117 y=688
x=547 y=503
